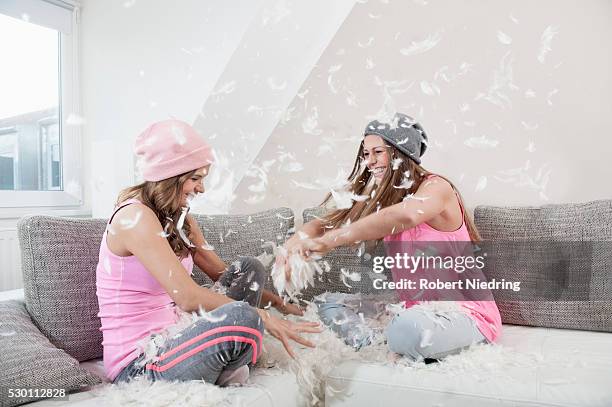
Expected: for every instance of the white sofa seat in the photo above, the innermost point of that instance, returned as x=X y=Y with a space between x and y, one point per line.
x=569 y=368
x=264 y=391
x=267 y=389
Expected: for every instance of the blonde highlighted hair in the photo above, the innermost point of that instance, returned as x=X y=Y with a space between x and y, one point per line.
x=164 y=198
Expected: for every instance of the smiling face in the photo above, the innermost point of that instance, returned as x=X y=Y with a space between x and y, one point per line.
x=194 y=185
x=376 y=156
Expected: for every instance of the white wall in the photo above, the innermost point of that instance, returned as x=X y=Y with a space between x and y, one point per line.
x=148 y=61
x=512 y=93
x=288 y=86
x=154 y=59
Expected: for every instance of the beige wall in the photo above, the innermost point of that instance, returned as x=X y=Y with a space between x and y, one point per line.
x=496 y=103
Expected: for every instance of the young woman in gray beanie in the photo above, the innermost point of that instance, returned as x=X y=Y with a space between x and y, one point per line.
x=402 y=204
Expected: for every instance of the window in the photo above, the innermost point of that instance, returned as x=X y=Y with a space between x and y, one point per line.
x=40 y=151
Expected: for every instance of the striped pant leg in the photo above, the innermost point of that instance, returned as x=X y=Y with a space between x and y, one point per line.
x=203 y=350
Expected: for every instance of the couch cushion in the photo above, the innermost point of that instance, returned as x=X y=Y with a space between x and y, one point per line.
x=535 y=367
x=351 y=259
x=243 y=235
x=561 y=252
x=29 y=360
x=60 y=255
x=59 y=258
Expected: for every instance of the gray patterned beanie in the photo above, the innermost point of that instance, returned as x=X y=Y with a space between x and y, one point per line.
x=403 y=133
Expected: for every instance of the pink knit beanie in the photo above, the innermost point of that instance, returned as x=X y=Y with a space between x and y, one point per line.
x=170 y=148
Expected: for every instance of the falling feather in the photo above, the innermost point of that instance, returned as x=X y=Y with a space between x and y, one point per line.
x=343 y=278
x=107 y=266
x=418 y=198
x=481 y=142
x=529 y=127
x=353 y=276
x=179 y=227
x=7 y=333
x=426 y=336
x=178 y=134
x=226 y=88
x=130 y=223
x=530 y=93
x=164 y=233
x=310 y=123
x=405 y=184
x=481 y=184
x=396 y=163
x=504 y=38
x=207 y=246
x=341 y=321
x=210 y=316
x=274 y=85
x=550 y=95
x=344 y=199
x=503 y=78
x=531 y=147
x=75 y=120
x=420 y=47
x=254 y=199
x=366 y=44
x=333 y=69
x=545 y=41
x=430 y=89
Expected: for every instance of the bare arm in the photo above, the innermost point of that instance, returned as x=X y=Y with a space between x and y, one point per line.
x=205 y=258
x=314 y=228
x=428 y=202
x=144 y=240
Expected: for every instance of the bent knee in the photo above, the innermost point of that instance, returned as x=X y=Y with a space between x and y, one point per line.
x=241 y=314
x=409 y=338
x=253 y=266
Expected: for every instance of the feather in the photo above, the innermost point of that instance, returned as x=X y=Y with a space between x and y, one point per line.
x=179 y=227
x=420 y=47
x=547 y=36
x=504 y=38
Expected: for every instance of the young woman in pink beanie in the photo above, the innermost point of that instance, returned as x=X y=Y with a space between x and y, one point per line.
x=144 y=279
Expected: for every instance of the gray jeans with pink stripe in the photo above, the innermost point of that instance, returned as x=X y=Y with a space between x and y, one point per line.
x=205 y=349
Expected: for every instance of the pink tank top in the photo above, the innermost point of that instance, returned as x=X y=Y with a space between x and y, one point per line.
x=132 y=304
x=485 y=313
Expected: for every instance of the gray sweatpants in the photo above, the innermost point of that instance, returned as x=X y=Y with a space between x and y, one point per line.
x=412 y=332
x=230 y=338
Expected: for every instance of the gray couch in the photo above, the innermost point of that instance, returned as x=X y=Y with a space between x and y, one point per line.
x=51 y=337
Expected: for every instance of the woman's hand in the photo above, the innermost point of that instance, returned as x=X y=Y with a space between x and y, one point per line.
x=288 y=308
x=284 y=330
x=318 y=247
x=277 y=302
x=290 y=248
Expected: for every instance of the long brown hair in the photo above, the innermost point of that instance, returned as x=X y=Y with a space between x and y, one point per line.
x=386 y=194
x=164 y=198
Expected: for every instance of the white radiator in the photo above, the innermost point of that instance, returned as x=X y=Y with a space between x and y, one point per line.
x=10 y=260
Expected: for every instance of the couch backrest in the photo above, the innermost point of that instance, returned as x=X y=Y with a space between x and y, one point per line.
x=60 y=255
x=559 y=233
x=564 y=249
x=243 y=235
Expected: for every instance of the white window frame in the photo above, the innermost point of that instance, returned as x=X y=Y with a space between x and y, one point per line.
x=14 y=204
